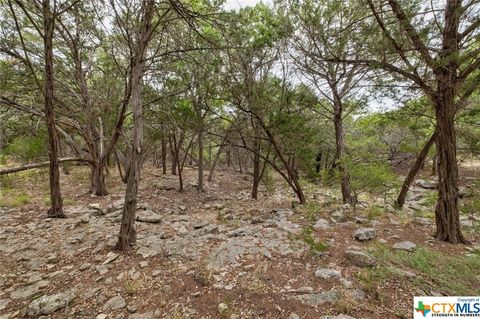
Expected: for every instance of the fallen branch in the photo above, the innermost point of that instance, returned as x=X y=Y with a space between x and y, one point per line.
x=10 y=170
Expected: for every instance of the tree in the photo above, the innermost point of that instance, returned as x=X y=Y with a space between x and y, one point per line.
x=437 y=55
x=139 y=44
x=336 y=82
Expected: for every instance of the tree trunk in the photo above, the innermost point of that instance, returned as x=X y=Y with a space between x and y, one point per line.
x=97 y=186
x=127 y=235
x=434 y=165
x=228 y=155
x=413 y=171
x=215 y=160
x=200 y=151
x=446 y=210
x=173 y=155
x=56 y=201
x=339 y=150
x=164 y=155
x=256 y=169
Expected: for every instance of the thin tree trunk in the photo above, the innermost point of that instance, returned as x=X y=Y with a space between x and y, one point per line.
x=200 y=150
x=173 y=155
x=413 y=171
x=127 y=235
x=256 y=168
x=215 y=160
x=164 y=155
x=434 y=165
x=229 y=157
x=56 y=201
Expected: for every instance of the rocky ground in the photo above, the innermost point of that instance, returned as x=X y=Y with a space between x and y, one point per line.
x=219 y=254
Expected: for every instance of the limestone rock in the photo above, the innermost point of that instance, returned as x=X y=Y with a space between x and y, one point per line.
x=405 y=245
x=360 y=258
x=325 y=273
x=117 y=302
x=315 y=299
x=365 y=233
x=148 y=216
x=46 y=305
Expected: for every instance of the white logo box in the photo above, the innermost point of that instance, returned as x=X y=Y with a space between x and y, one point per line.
x=446 y=307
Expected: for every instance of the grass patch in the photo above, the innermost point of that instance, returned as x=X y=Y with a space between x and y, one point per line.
x=311 y=211
x=375 y=212
x=9 y=199
x=454 y=275
x=308 y=237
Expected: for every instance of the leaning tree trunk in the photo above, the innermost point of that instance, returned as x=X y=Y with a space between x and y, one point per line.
x=56 y=201
x=413 y=171
x=446 y=210
x=256 y=170
x=127 y=235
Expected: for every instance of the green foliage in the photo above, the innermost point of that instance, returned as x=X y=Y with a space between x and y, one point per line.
x=375 y=211
x=268 y=181
x=372 y=178
x=9 y=198
x=450 y=274
x=308 y=236
x=27 y=148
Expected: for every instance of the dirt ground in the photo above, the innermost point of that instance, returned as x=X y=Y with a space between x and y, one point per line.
x=218 y=254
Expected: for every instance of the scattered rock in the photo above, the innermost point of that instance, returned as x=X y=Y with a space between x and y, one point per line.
x=117 y=302
x=426 y=184
x=4 y=303
x=326 y=273
x=360 y=258
x=321 y=224
x=223 y=309
x=84 y=266
x=46 y=305
x=102 y=269
x=52 y=259
x=200 y=224
x=294 y=316
x=338 y=217
x=143 y=264
x=148 y=216
x=364 y=234
x=101 y=316
x=28 y=291
x=405 y=245
x=316 y=299
x=347 y=284
x=337 y=317
x=111 y=256
x=96 y=207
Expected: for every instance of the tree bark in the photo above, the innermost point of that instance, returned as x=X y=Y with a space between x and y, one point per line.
x=414 y=170
x=256 y=166
x=11 y=170
x=97 y=185
x=56 y=201
x=340 y=147
x=127 y=235
x=164 y=155
x=446 y=211
x=200 y=149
